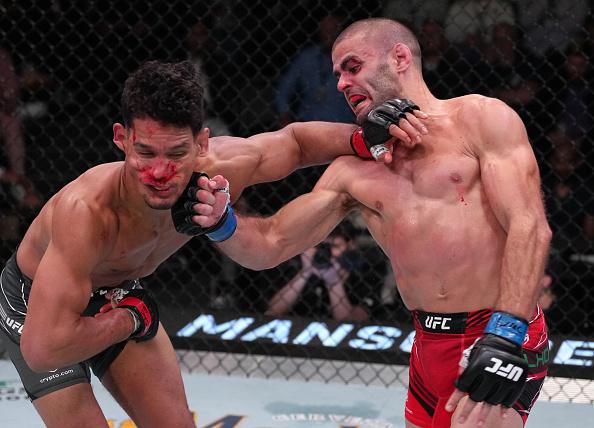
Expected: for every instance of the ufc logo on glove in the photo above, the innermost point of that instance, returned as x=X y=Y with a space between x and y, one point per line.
x=510 y=371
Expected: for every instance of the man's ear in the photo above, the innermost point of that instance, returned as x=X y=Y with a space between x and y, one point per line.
x=202 y=141
x=402 y=55
x=120 y=135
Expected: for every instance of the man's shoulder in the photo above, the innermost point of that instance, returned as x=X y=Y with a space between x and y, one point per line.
x=474 y=112
x=479 y=105
x=350 y=164
x=489 y=122
x=344 y=170
x=95 y=189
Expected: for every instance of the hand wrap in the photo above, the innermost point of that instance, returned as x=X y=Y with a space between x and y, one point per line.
x=144 y=310
x=495 y=369
x=368 y=141
x=183 y=211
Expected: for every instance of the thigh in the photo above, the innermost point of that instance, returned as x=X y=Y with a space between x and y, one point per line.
x=71 y=407
x=421 y=400
x=39 y=384
x=146 y=381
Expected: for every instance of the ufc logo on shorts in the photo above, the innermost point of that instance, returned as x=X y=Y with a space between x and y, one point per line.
x=510 y=371
x=437 y=323
x=15 y=325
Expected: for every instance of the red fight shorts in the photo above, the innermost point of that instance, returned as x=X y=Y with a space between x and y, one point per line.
x=434 y=362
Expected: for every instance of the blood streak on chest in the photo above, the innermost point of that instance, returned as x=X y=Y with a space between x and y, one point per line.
x=457 y=180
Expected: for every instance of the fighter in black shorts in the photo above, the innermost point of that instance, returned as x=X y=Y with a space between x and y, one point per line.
x=14 y=296
x=119 y=221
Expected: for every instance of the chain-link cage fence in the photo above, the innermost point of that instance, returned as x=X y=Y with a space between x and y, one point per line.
x=266 y=63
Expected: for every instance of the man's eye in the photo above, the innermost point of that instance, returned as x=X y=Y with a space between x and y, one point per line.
x=354 y=69
x=177 y=155
x=146 y=154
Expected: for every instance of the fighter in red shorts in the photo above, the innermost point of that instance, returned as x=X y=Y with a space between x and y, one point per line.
x=448 y=336
x=460 y=217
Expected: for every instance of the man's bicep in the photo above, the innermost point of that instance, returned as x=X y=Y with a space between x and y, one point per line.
x=512 y=185
x=261 y=158
x=277 y=154
x=314 y=215
x=509 y=171
x=60 y=286
x=63 y=276
x=308 y=219
x=261 y=243
x=299 y=145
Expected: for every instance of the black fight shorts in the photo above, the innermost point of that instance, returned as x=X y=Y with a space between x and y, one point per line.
x=14 y=295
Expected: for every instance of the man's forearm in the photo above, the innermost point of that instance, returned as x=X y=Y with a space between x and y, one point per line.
x=263 y=243
x=321 y=142
x=523 y=264
x=252 y=245
x=88 y=337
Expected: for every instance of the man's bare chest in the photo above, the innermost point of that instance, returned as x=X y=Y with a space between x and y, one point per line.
x=439 y=179
x=137 y=252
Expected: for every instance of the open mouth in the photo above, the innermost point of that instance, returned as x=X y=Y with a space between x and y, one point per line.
x=159 y=189
x=356 y=99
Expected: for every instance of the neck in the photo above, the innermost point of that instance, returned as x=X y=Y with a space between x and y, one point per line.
x=415 y=89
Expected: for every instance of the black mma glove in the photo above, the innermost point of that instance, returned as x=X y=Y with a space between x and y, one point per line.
x=368 y=141
x=182 y=213
x=144 y=311
x=496 y=370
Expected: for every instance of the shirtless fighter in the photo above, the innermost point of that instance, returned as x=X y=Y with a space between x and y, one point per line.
x=71 y=298
x=461 y=218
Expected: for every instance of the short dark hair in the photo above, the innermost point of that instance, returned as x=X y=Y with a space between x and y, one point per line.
x=170 y=93
x=383 y=33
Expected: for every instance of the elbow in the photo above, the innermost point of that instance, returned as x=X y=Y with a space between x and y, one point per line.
x=539 y=235
x=39 y=354
x=266 y=254
x=35 y=355
x=257 y=259
x=300 y=154
x=544 y=234
x=534 y=229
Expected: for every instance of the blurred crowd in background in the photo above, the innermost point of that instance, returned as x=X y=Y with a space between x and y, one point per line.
x=266 y=64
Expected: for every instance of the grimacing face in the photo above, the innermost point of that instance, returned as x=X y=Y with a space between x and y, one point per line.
x=365 y=76
x=161 y=159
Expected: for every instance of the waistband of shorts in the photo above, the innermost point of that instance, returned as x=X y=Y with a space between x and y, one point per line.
x=466 y=322
x=453 y=323
x=127 y=285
